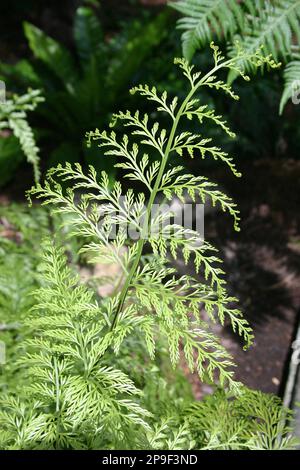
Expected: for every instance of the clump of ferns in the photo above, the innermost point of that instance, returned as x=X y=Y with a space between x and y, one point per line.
x=76 y=396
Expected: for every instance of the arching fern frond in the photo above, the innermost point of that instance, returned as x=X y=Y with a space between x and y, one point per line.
x=76 y=395
x=272 y=26
x=272 y=29
x=148 y=300
x=13 y=115
x=205 y=19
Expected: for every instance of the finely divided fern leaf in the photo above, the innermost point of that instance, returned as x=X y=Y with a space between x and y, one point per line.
x=148 y=300
x=75 y=395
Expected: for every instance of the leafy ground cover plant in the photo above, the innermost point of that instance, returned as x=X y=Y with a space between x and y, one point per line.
x=21 y=233
x=83 y=360
x=81 y=87
x=273 y=24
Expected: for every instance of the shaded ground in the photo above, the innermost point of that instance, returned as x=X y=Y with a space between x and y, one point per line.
x=263 y=265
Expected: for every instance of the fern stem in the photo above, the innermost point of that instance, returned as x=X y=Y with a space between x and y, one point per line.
x=56 y=385
x=57 y=400
x=157 y=186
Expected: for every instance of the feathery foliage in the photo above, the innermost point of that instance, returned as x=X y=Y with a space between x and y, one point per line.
x=205 y=18
x=79 y=392
x=13 y=116
x=291 y=83
x=156 y=287
x=252 y=421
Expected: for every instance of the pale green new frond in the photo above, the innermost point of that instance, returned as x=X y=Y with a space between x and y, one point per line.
x=203 y=112
x=85 y=368
x=172 y=307
x=204 y=353
x=190 y=185
x=151 y=301
x=96 y=213
x=138 y=166
x=191 y=143
x=172 y=238
x=220 y=305
x=212 y=82
x=184 y=65
x=149 y=134
x=175 y=299
x=151 y=94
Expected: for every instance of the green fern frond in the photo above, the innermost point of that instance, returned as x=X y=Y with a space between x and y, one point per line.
x=93 y=214
x=252 y=420
x=291 y=83
x=81 y=390
x=189 y=185
x=272 y=27
x=13 y=115
x=64 y=369
x=270 y=24
x=206 y=19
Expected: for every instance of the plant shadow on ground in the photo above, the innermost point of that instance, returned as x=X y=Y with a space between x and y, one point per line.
x=262 y=263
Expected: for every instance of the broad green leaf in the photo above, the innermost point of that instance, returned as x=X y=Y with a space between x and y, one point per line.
x=130 y=48
x=88 y=34
x=54 y=55
x=11 y=156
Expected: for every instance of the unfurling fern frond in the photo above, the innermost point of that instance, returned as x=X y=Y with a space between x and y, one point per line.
x=13 y=115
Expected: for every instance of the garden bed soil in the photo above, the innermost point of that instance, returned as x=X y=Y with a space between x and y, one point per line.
x=262 y=263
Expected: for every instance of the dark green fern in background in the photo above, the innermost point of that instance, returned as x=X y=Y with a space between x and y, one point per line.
x=81 y=86
x=273 y=25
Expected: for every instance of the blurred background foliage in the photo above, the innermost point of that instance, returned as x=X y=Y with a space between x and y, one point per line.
x=84 y=56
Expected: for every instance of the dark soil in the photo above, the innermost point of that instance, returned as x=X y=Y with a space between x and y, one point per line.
x=263 y=265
